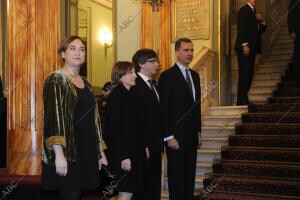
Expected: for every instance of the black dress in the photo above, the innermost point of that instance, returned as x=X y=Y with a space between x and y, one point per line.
x=123 y=140
x=84 y=173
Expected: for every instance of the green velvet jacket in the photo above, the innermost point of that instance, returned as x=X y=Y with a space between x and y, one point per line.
x=60 y=99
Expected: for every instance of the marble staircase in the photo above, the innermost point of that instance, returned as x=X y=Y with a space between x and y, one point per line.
x=216 y=127
x=271 y=69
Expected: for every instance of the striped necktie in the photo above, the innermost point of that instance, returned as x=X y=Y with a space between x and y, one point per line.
x=188 y=80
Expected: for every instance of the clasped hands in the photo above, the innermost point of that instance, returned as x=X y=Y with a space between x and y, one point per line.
x=61 y=164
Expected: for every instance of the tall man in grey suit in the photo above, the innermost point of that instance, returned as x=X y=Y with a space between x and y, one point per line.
x=179 y=90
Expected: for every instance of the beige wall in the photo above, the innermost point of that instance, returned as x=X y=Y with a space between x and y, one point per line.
x=101 y=17
x=211 y=43
x=127 y=28
x=213 y=34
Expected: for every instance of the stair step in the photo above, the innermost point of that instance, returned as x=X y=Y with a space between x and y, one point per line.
x=226 y=195
x=214 y=142
x=268 y=76
x=283 y=43
x=279 y=117
x=259 y=98
x=198 y=183
x=213 y=131
x=280 y=52
x=270 y=169
x=284 y=187
x=165 y=194
x=263 y=91
x=283 y=37
x=277 y=59
x=290 y=141
x=206 y=154
x=293 y=78
x=267 y=129
x=203 y=168
x=262 y=154
x=276 y=107
x=282 y=47
x=288 y=85
x=228 y=110
x=261 y=87
x=284 y=99
x=260 y=70
x=221 y=120
x=274 y=65
x=264 y=83
x=287 y=93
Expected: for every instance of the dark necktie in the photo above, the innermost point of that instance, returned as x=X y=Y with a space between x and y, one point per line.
x=188 y=80
x=152 y=89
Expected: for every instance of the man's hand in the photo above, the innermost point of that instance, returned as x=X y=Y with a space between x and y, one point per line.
x=259 y=16
x=102 y=160
x=147 y=152
x=61 y=164
x=126 y=164
x=293 y=35
x=173 y=143
x=199 y=139
x=246 y=50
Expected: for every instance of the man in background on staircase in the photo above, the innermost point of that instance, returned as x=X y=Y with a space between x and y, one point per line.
x=294 y=31
x=179 y=90
x=249 y=27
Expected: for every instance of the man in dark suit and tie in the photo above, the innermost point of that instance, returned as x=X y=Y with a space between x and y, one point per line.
x=179 y=90
x=149 y=120
x=294 y=31
x=249 y=27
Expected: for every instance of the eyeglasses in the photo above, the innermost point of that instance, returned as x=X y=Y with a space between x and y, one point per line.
x=153 y=61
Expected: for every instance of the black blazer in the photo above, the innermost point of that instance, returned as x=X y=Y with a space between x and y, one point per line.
x=181 y=115
x=248 y=29
x=149 y=120
x=293 y=16
x=120 y=129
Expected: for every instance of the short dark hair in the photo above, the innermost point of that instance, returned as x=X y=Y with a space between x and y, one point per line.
x=141 y=56
x=67 y=41
x=179 y=41
x=119 y=69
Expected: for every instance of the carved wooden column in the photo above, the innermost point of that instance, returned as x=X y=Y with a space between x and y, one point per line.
x=164 y=32
x=33 y=34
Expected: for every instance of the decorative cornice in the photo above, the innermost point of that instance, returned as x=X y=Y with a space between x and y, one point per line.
x=155 y=4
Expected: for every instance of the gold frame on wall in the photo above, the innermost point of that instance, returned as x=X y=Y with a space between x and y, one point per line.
x=196 y=13
x=72 y=17
x=88 y=26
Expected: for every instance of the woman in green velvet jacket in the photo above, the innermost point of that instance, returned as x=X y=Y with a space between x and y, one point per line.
x=73 y=148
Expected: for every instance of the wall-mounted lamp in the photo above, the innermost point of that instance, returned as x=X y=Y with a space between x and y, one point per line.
x=105 y=38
